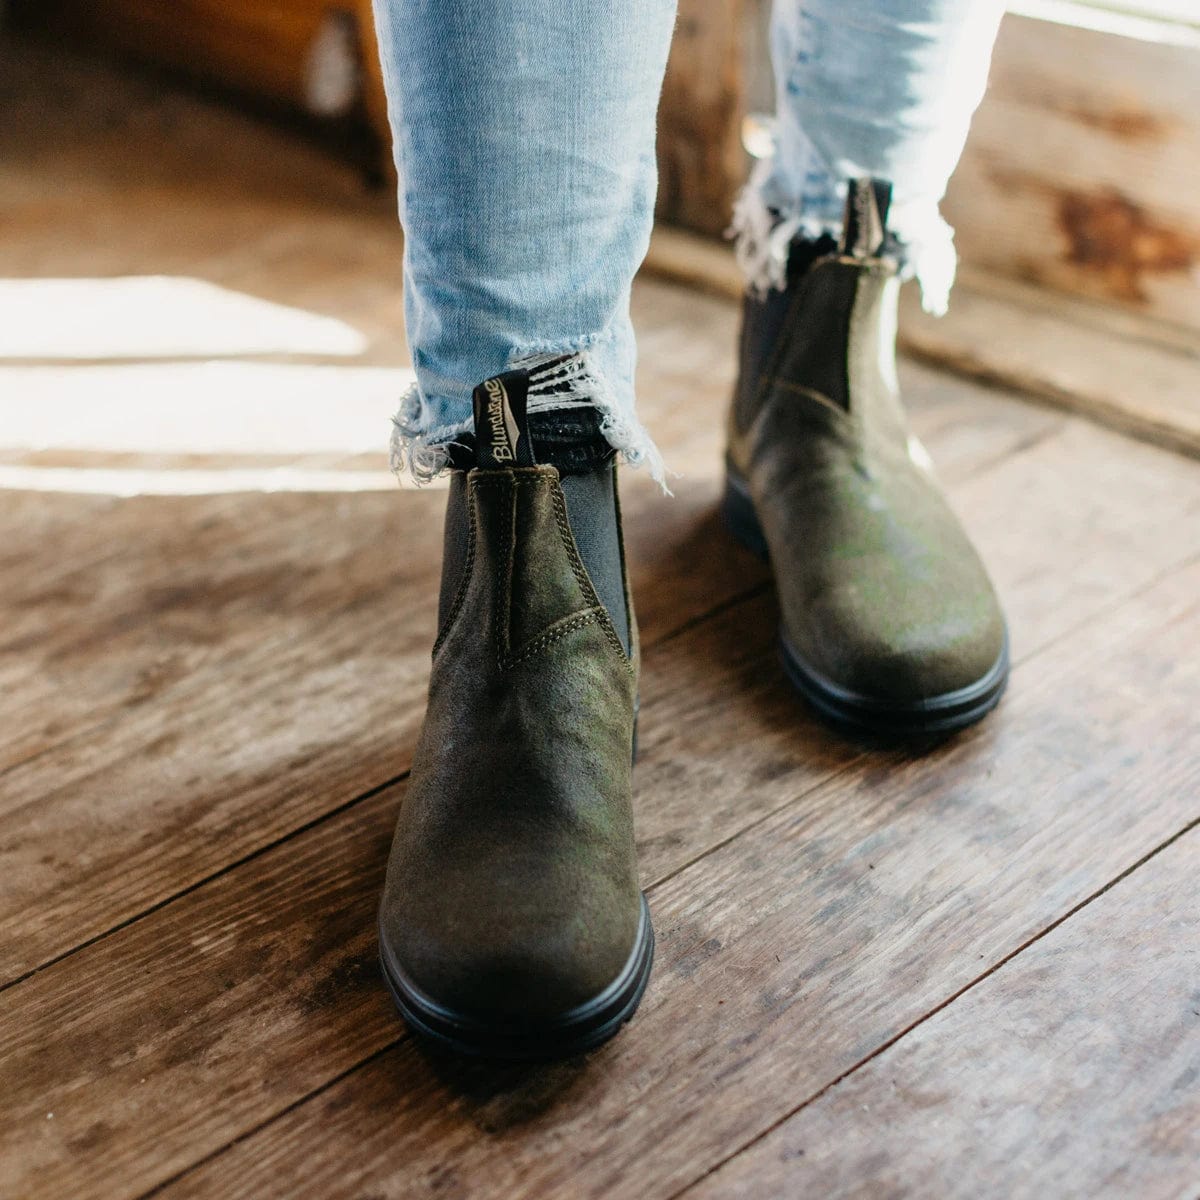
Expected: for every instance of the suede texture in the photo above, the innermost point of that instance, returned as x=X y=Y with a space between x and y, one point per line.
x=880 y=589
x=512 y=890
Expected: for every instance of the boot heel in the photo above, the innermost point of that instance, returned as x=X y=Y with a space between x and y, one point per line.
x=737 y=511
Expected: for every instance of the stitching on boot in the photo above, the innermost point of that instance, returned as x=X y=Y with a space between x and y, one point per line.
x=771 y=368
x=467 y=571
x=555 y=633
x=503 y=616
x=581 y=575
x=506 y=657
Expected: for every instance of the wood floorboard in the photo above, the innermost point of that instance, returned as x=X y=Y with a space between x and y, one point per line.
x=1071 y=1071
x=173 y=586
x=798 y=949
x=746 y=763
x=156 y=582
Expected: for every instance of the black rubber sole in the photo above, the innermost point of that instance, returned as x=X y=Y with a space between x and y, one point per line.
x=851 y=712
x=583 y=1028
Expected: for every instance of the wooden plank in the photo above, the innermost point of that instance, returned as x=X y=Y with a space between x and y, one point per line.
x=801 y=947
x=153 y=581
x=263 y=48
x=282 y=939
x=141 y=598
x=202 y=1037
x=1081 y=172
x=328 y=668
x=184 y=1011
x=1024 y=338
x=1069 y=1072
x=700 y=156
x=170 y=184
x=268 y=50
x=235 y=1001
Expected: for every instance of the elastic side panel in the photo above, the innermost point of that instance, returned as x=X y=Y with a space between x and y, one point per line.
x=592 y=512
x=813 y=346
x=544 y=586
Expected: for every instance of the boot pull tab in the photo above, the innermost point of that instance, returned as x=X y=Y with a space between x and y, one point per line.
x=864 y=224
x=501 y=422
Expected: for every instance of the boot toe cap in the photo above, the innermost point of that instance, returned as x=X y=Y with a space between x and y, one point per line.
x=515 y=964
x=903 y=669
x=916 y=665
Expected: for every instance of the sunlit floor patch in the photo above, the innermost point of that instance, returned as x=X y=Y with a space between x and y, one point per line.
x=155 y=317
x=199 y=427
x=200 y=408
x=129 y=481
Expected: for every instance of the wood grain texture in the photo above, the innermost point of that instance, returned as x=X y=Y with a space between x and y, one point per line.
x=1067 y=352
x=686 y=752
x=701 y=161
x=120 y=650
x=797 y=950
x=1081 y=172
x=1070 y=1071
x=144 y=596
x=237 y=1011
x=312 y=612
x=313 y=695
x=310 y=609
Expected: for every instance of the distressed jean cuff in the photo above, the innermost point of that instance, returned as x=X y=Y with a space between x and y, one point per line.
x=576 y=389
x=766 y=220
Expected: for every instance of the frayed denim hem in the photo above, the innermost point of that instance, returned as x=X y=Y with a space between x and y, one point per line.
x=763 y=233
x=415 y=451
x=422 y=453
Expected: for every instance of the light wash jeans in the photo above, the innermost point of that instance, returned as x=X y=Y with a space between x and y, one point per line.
x=524 y=141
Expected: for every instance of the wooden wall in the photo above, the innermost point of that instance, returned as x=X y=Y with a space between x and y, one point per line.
x=1081 y=175
x=701 y=160
x=261 y=48
x=1082 y=171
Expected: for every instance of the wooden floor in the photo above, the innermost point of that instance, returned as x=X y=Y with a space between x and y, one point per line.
x=972 y=973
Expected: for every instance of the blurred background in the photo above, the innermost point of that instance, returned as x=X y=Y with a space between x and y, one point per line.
x=197 y=216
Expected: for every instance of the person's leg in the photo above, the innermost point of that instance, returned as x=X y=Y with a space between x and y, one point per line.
x=882 y=88
x=524 y=142
x=511 y=921
x=890 y=624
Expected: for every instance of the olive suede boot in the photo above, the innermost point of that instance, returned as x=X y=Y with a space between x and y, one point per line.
x=511 y=923
x=890 y=625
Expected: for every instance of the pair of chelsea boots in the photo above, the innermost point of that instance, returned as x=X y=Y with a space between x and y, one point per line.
x=512 y=924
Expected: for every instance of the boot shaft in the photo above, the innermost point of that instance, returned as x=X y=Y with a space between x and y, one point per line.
x=829 y=334
x=533 y=531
